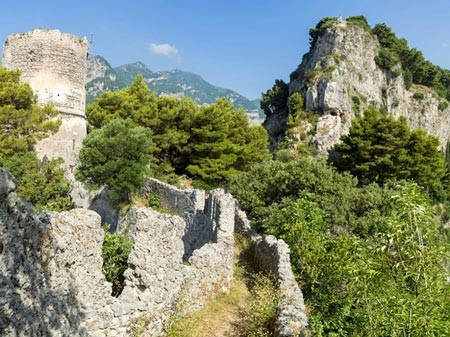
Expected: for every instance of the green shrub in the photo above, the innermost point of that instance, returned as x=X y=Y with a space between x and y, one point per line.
x=154 y=201
x=42 y=184
x=117 y=155
x=359 y=21
x=386 y=59
x=395 y=103
x=356 y=103
x=115 y=250
x=260 y=314
x=294 y=75
x=336 y=58
x=442 y=106
x=418 y=96
x=320 y=29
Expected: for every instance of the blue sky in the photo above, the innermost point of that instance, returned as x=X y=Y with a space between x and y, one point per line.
x=241 y=45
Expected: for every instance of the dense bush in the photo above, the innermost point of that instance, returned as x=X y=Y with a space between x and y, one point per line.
x=415 y=68
x=115 y=250
x=22 y=121
x=22 y=124
x=380 y=148
x=116 y=155
x=275 y=99
x=42 y=184
x=354 y=249
x=273 y=185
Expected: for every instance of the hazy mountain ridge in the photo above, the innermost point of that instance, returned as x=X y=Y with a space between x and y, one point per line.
x=102 y=77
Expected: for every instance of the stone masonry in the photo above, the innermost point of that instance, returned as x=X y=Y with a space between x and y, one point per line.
x=55 y=66
x=273 y=256
x=51 y=282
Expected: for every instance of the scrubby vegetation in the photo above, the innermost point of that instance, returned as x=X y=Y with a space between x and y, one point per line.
x=117 y=156
x=415 y=68
x=115 y=250
x=275 y=99
x=354 y=248
x=22 y=124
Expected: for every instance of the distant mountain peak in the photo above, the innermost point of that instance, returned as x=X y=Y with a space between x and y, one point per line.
x=175 y=82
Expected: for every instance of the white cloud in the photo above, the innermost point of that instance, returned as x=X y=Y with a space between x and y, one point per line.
x=163 y=49
x=444 y=45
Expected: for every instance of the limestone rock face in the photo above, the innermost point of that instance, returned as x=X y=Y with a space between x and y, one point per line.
x=340 y=69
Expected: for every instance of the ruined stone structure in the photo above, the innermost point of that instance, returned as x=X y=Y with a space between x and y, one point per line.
x=51 y=283
x=55 y=66
x=272 y=255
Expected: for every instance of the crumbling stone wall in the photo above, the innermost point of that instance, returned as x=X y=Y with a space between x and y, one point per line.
x=55 y=66
x=273 y=255
x=51 y=282
x=180 y=201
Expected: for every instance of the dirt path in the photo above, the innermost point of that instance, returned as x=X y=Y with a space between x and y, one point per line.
x=221 y=316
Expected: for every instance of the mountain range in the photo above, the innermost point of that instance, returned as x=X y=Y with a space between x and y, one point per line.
x=102 y=77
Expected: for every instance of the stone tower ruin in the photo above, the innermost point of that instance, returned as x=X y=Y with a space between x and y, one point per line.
x=55 y=66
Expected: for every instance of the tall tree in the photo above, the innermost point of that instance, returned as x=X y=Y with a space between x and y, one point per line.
x=116 y=155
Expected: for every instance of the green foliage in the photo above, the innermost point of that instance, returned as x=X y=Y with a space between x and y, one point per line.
x=42 y=184
x=415 y=68
x=360 y=21
x=115 y=250
x=116 y=155
x=275 y=99
x=350 y=277
x=380 y=148
x=154 y=201
x=260 y=313
x=209 y=143
x=22 y=122
x=223 y=143
x=418 y=96
x=294 y=75
x=274 y=184
x=442 y=106
x=336 y=58
x=313 y=75
x=356 y=103
x=386 y=59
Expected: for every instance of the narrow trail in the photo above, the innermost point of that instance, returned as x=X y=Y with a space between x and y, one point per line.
x=224 y=322
x=223 y=316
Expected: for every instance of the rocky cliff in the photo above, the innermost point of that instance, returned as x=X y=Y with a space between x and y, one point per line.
x=339 y=78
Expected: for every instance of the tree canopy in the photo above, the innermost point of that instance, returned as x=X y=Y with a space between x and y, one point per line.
x=22 y=121
x=209 y=142
x=276 y=98
x=380 y=148
x=116 y=155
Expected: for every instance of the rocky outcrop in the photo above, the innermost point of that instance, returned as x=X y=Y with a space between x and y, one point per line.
x=340 y=70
